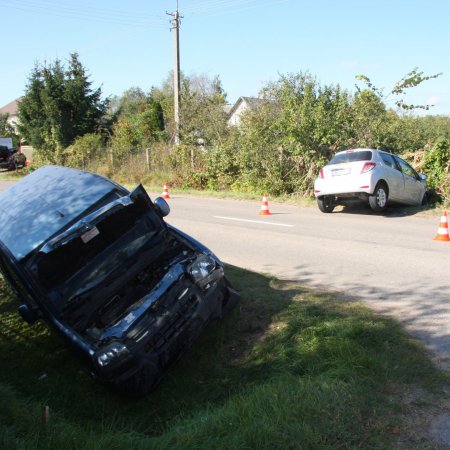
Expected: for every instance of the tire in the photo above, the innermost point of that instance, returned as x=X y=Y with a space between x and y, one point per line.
x=425 y=199
x=378 y=200
x=326 y=203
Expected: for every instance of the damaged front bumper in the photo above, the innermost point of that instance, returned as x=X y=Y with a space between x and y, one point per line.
x=161 y=328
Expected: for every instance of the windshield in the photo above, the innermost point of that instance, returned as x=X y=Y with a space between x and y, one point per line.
x=348 y=157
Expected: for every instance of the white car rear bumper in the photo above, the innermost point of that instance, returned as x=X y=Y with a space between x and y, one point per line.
x=362 y=185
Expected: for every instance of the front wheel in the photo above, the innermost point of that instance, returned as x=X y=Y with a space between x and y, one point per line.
x=326 y=203
x=378 y=200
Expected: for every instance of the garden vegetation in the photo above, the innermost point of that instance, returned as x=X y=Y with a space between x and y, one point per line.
x=293 y=128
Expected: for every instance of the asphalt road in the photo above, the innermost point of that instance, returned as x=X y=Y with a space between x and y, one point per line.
x=389 y=261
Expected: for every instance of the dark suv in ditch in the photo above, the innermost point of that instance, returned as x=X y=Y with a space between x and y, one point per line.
x=127 y=291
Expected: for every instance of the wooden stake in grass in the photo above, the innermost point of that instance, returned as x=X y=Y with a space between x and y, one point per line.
x=45 y=414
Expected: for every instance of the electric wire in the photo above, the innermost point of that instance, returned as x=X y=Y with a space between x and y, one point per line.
x=77 y=8
x=127 y=18
x=86 y=14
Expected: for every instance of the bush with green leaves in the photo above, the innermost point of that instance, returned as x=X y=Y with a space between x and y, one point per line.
x=85 y=149
x=437 y=165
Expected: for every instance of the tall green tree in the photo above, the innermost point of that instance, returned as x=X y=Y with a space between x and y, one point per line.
x=59 y=105
x=202 y=115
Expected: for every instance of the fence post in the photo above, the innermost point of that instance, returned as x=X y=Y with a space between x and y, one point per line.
x=147 y=158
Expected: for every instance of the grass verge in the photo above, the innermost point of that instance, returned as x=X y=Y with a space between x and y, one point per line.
x=288 y=368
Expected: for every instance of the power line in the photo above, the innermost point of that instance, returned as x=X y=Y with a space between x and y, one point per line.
x=127 y=18
x=113 y=17
x=228 y=5
x=76 y=8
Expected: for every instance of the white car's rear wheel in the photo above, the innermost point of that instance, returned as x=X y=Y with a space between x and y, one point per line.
x=326 y=203
x=379 y=199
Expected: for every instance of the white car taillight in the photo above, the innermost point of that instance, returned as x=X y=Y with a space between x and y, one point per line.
x=368 y=166
x=321 y=173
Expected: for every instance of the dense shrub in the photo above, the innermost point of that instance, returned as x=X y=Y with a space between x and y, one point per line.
x=282 y=141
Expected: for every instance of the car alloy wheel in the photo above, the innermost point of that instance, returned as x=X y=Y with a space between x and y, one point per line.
x=379 y=199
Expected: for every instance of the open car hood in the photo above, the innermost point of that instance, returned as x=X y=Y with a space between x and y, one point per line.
x=53 y=224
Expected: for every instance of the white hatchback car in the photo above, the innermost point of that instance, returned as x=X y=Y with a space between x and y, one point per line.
x=368 y=174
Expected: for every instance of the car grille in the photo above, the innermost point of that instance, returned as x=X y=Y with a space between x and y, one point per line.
x=178 y=313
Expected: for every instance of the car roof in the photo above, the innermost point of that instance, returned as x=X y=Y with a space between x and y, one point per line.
x=351 y=150
x=44 y=202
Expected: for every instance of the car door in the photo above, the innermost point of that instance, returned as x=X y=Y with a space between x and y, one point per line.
x=414 y=189
x=394 y=177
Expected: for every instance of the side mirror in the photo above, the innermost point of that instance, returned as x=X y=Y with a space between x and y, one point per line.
x=162 y=206
x=28 y=314
x=422 y=176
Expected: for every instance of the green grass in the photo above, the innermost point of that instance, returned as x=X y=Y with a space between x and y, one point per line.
x=287 y=369
x=14 y=175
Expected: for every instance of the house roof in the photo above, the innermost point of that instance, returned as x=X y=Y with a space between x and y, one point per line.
x=227 y=108
x=11 y=108
x=252 y=103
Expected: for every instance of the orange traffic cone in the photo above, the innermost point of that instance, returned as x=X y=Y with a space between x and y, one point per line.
x=165 y=193
x=442 y=234
x=264 y=211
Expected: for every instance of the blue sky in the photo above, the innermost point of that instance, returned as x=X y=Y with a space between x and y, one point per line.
x=246 y=42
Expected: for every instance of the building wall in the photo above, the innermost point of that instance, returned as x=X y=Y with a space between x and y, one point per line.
x=235 y=118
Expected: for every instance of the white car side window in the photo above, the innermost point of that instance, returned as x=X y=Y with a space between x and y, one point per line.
x=407 y=169
x=389 y=161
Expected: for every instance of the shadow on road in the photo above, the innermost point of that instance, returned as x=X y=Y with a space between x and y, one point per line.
x=392 y=211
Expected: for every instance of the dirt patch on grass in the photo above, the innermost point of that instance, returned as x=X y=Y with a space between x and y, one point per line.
x=426 y=420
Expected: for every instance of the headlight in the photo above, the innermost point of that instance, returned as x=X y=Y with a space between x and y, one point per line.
x=201 y=268
x=111 y=352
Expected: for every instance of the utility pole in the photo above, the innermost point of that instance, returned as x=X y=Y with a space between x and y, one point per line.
x=176 y=72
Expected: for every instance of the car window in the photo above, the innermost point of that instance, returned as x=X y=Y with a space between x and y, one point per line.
x=351 y=157
x=389 y=161
x=407 y=169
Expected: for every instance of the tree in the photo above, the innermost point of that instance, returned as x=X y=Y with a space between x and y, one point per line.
x=401 y=87
x=369 y=120
x=132 y=101
x=283 y=143
x=202 y=116
x=59 y=105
